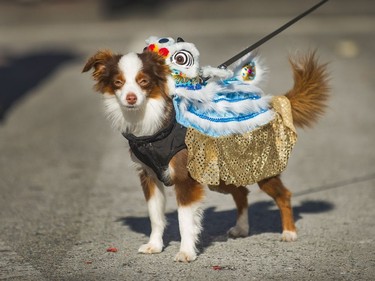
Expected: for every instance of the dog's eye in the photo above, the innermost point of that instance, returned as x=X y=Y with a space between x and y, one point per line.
x=118 y=83
x=183 y=58
x=143 y=82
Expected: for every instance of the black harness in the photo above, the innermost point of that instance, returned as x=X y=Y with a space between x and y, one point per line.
x=157 y=150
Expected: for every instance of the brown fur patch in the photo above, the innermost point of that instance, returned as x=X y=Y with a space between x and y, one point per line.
x=178 y=164
x=310 y=92
x=157 y=71
x=188 y=191
x=148 y=185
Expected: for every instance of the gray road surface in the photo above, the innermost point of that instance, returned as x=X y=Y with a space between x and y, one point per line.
x=67 y=188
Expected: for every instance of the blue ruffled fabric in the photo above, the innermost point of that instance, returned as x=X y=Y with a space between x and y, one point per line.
x=213 y=117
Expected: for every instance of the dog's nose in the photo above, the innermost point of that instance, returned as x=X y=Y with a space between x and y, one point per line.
x=131 y=98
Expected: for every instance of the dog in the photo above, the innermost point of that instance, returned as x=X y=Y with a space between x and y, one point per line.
x=136 y=90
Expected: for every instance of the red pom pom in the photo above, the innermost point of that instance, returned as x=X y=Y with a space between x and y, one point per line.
x=151 y=47
x=163 y=52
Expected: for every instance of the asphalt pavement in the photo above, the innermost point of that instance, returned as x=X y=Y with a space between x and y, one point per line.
x=68 y=191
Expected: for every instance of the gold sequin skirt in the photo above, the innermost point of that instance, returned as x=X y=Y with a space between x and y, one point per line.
x=243 y=159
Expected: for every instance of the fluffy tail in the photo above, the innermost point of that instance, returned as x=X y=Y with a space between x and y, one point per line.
x=310 y=92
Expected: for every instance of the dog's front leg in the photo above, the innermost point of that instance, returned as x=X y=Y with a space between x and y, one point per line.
x=154 y=194
x=189 y=217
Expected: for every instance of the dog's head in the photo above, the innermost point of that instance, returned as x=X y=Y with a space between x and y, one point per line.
x=132 y=78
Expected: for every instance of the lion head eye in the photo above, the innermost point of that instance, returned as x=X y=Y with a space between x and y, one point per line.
x=183 y=58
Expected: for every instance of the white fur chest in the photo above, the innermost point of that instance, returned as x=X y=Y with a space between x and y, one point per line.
x=143 y=121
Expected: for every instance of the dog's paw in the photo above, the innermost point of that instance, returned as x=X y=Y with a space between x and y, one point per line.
x=238 y=232
x=288 y=236
x=150 y=248
x=185 y=257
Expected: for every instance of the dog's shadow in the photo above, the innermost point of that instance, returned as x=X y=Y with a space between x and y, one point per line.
x=264 y=217
x=20 y=74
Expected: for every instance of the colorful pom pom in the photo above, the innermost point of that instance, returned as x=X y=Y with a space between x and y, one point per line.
x=248 y=72
x=151 y=47
x=163 y=52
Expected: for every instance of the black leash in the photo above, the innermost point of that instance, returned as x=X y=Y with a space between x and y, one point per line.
x=269 y=36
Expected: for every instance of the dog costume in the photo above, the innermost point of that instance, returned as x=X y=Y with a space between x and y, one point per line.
x=235 y=133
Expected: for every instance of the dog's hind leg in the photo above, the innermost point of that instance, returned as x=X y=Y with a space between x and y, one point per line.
x=155 y=197
x=275 y=188
x=239 y=194
x=189 y=196
x=241 y=229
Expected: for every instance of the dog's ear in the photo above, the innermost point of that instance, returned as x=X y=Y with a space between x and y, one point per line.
x=100 y=62
x=104 y=64
x=158 y=67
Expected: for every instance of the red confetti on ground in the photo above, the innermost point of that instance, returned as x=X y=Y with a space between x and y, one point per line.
x=217 y=267
x=112 y=249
